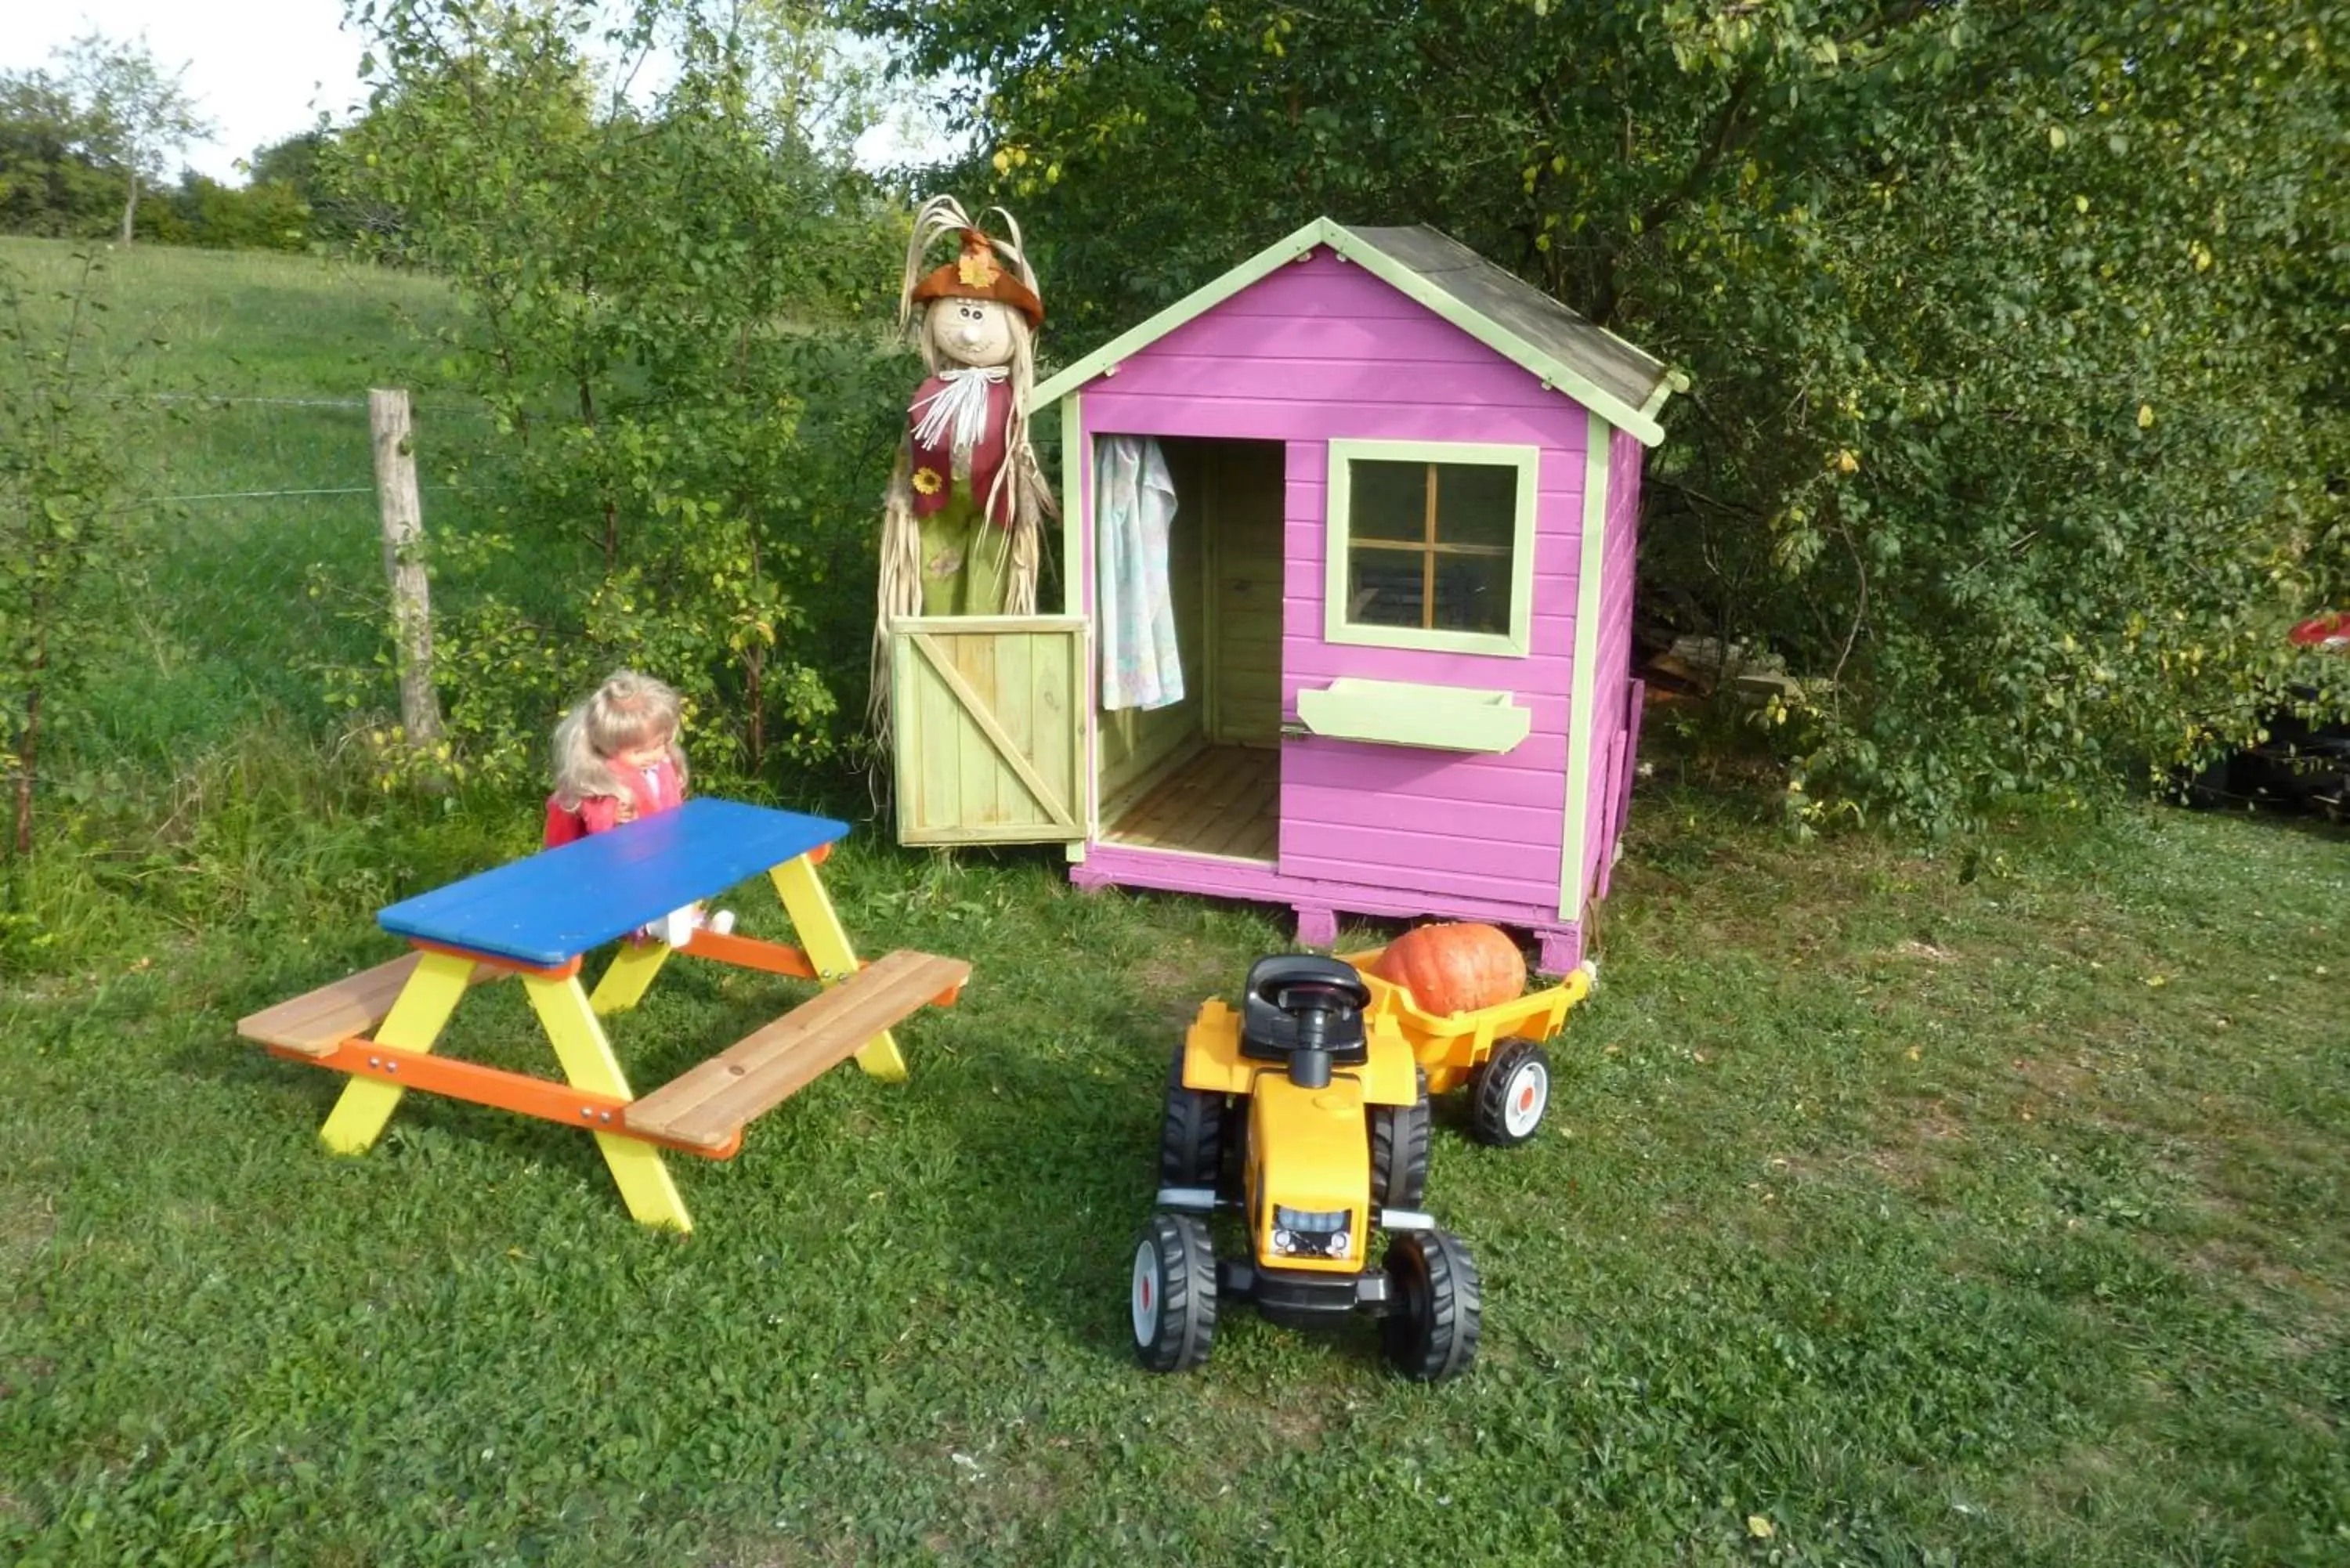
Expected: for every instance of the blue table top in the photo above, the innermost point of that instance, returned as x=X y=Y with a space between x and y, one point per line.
x=549 y=908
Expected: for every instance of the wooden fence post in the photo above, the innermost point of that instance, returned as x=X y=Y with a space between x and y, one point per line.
x=403 y=563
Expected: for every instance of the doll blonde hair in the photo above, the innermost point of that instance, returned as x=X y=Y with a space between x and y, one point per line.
x=628 y=710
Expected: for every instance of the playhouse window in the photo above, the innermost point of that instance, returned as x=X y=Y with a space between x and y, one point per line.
x=1431 y=546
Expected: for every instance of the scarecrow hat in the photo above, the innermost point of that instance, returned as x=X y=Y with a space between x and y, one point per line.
x=987 y=268
x=977 y=274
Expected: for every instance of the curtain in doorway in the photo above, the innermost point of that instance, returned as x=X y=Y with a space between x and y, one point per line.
x=1134 y=508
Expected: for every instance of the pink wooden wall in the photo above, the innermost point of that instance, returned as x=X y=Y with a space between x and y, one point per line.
x=1322 y=349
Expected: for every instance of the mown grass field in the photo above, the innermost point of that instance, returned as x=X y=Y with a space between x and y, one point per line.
x=1896 y=1208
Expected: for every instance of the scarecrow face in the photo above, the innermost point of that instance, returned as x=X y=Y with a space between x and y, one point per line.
x=971 y=331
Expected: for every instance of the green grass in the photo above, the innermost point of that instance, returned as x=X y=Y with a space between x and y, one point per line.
x=250 y=594
x=1910 y=1218
x=1895 y=1208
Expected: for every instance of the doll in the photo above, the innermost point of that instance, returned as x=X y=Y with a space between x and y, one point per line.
x=960 y=520
x=617 y=759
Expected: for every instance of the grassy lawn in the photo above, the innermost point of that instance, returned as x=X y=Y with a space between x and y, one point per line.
x=1904 y=1219
x=1895 y=1208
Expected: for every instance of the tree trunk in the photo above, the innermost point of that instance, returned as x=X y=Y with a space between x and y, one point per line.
x=404 y=565
x=26 y=754
x=130 y=207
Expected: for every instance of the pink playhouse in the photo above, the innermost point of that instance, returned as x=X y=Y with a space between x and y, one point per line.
x=1348 y=550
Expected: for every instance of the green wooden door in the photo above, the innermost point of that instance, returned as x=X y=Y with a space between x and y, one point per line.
x=988 y=714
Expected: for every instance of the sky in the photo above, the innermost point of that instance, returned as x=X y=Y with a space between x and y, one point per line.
x=261 y=70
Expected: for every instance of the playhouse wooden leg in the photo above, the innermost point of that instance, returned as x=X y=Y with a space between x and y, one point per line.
x=633 y=967
x=1562 y=949
x=562 y=1006
x=417 y=1017
x=810 y=907
x=1316 y=927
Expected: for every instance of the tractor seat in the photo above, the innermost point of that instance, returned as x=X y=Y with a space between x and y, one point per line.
x=1286 y=989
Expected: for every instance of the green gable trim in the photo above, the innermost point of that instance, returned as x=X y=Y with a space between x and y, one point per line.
x=1556 y=372
x=1582 y=721
x=1077 y=517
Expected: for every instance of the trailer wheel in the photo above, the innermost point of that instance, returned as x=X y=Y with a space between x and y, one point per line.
x=1510 y=1094
x=1173 y=1294
x=1430 y=1332
x=1400 y=1152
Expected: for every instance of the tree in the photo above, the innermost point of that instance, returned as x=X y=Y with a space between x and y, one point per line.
x=291 y=161
x=646 y=283
x=49 y=182
x=2012 y=325
x=138 y=115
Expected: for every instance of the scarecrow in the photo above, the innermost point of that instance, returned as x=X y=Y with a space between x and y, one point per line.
x=960 y=524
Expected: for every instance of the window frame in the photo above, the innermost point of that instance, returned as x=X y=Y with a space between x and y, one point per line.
x=1338 y=539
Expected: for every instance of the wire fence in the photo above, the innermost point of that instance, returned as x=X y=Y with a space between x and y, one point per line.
x=258 y=583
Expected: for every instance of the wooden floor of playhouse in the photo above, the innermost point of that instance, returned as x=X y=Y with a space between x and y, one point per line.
x=1222 y=800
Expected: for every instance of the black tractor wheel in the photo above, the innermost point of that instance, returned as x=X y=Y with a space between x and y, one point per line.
x=1191 y=1136
x=1173 y=1296
x=2215 y=786
x=1400 y=1152
x=1431 y=1330
x=1508 y=1093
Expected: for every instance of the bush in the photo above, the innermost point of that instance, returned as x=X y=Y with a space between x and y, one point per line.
x=663 y=314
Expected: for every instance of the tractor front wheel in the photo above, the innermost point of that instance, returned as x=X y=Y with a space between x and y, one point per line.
x=1510 y=1094
x=1173 y=1295
x=1431 y=1330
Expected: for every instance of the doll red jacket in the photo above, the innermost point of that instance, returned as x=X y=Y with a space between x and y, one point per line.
x=601 y=812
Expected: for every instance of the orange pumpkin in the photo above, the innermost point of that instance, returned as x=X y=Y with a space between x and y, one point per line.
x=1455 y=968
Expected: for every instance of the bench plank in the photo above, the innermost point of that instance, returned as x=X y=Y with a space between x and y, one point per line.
x=315 y=1022
x=708 y=1105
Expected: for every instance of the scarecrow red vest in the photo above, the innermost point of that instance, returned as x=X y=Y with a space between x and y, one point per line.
x=934 y=464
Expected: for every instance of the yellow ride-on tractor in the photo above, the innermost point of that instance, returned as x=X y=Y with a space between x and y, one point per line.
x=1305 y=1113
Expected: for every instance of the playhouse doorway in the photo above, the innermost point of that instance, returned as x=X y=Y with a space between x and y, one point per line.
x=1203 y=777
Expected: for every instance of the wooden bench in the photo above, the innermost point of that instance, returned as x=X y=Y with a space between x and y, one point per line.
x=707 y=1106
x=315 y=1023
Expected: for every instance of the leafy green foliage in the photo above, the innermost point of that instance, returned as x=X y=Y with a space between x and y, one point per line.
x=265 y=216
x=659 y=313
x=2017 y=418
x=49 y=182
x=63 y=537
x=80 y=145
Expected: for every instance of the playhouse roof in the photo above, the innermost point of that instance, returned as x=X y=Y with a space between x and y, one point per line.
x=1504 y=312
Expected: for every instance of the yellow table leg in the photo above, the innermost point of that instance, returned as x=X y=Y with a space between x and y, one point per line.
x=827 y=945
x=562 y=1005
x=417 y=1017
x=633 y=971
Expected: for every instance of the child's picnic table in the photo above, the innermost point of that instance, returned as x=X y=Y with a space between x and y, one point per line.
x=536 y=918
